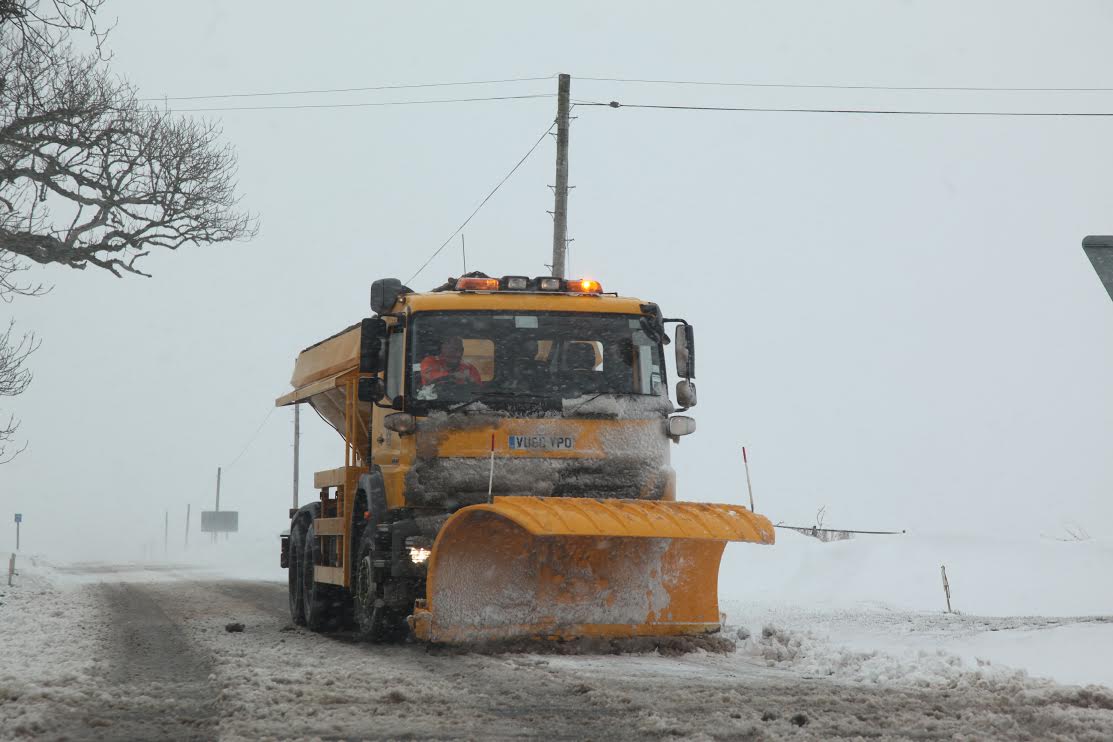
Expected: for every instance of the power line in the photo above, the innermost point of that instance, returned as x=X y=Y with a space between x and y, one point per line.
x=861 y=111
x=642 y=81
x=251 y=439
x=322 y=91
x=484 y=201
x=809 y=86
x=366 y=105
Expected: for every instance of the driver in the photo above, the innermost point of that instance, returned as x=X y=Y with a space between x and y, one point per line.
x=448 y=365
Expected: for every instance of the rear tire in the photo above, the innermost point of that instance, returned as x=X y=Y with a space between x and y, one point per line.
x=317 y=598
x=294 y=575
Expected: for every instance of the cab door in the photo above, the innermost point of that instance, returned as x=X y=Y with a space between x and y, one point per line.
x=388 y=449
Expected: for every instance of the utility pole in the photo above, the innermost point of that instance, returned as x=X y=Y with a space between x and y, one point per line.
x=560 y=190
x=217 y=497
x=166 y=535
x=297 y=444
x=188 y=507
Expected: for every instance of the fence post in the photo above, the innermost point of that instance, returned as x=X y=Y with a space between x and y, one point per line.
x=11 y=569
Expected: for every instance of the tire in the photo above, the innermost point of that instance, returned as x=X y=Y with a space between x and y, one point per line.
x=377 y=621
x=318 y=600
x=294 y=575
x=364 y=596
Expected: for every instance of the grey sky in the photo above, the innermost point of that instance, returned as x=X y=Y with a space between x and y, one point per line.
x=894 y=314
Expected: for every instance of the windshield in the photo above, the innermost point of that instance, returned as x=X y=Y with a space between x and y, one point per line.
x=458 y=357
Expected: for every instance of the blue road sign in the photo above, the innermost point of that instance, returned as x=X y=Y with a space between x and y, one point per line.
x=19 y=517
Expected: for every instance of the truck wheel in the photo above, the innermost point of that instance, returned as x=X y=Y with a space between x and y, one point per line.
x=294 y=575
x=316 y=597
x=380 y=623
x=363 y=594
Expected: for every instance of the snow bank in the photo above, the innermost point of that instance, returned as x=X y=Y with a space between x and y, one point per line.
x=989 y=575
x=49 y=653
x=812 y=656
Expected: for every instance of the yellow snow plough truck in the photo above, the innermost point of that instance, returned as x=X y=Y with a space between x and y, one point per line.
x=506 y=470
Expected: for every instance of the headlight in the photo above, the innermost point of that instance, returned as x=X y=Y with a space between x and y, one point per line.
x=419 y=548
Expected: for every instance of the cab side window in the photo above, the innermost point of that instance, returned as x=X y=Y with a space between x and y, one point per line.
x=396 y=364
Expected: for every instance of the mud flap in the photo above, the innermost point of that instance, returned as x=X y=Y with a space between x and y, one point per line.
x=560 y=568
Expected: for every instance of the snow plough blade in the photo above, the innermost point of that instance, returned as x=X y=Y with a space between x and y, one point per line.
x=563 y=568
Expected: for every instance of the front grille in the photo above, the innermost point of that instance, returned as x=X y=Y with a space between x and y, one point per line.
x=454 y=482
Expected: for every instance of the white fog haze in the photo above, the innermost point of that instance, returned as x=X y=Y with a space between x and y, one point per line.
x=893 y=313
x=870 y=212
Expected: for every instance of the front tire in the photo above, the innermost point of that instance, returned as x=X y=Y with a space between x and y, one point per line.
x=379 y=619
x=365 y=596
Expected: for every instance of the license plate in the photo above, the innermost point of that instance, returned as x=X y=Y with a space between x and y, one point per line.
x=542 y=443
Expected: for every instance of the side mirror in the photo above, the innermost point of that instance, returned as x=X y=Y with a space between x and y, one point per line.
x=371 y=389
x=385 y=293
x=686 y=393
x=685 y=351
x=680 y=425
x=371 y=334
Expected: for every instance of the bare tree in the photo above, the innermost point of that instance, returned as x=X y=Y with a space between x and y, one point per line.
x=14 y=378
x=40 y=23
x=820 y=515
x=88 y=174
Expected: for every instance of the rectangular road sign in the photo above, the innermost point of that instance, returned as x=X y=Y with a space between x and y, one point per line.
x=19 y=517
x=220 y=521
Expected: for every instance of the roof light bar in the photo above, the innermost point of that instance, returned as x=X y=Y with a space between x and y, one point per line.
x=515 y=283
x=546 y=283
x=477 y=284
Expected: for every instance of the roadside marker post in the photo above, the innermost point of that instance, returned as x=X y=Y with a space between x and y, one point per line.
x=11 y=569
x=749 y=487
x=946 y=586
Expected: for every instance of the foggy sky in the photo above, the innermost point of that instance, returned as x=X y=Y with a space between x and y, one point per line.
x=892 y=313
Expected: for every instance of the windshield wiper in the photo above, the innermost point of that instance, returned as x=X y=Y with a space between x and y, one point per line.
x=495 y=395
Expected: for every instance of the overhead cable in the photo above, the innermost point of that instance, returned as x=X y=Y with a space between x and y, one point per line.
x=365 y=105
x=811 y=86
x=481 y=203
x=852 y=111
x=368 y=88
x=251 y=439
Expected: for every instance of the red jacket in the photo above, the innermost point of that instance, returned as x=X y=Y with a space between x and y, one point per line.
x=433 y=368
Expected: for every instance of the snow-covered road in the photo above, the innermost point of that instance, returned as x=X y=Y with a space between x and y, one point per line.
x=141 y=652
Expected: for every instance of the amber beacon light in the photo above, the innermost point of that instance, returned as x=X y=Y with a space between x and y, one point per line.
x=585 y=286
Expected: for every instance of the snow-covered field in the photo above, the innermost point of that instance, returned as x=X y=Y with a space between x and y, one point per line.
x=839 y=640
x=1040 y=605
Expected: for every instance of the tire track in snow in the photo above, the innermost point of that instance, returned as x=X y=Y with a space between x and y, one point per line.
x=156 y=681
